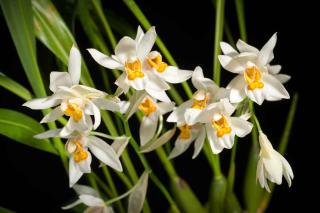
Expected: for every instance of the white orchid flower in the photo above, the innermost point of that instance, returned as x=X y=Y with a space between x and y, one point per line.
x=76 y=101
x=207 y=92
x=131 y=57
x=152 y=110
x=256 y=78
x=80 y=160
x=90 y=198
x=221 y=127
x=188 y=134
x=271 y=165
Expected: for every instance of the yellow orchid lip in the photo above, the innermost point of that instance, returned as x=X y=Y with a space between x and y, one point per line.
x=148 y=106
x=200 y=104
x=134 y=69
x=73 y=110
x=185 y=132
x=157 y=63
x=252 y=76
x=80 y=153
x=222 y=126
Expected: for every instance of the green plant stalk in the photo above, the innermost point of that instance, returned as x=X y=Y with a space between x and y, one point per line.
x=145 y=164
x=113 y=188
x=213 y=160
x=136 y=11
x=241 y=19
x=93 y=182
x=102 y=184
x=217 y=40
x=266 y=197
x=232 y=167
x=166 y=163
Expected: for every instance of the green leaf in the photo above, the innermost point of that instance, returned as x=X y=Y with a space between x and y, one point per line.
x=231 y=204
x=18 y=15
x=51 y=30
x=22 y=128
x=4 y=210
x=14 y=87
x=184 y=196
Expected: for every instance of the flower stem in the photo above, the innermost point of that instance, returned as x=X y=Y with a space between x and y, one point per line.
x=214 y=160
x=166 y=163
x=112 y=187
x=217 y=40
x=241 y=19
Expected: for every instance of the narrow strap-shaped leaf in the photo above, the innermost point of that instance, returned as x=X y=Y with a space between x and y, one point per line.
x=54 y=34
x=18 y=15
x=5 y=210
x=22 y=128
x=14 y=87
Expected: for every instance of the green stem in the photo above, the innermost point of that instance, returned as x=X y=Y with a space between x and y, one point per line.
x=214 y=160
x=102 y=184
x=166 y=163
x=241 y=19
x=254 y=117
x=112 y=187
x=124 y=179
x=93 y=182
x=217 y=40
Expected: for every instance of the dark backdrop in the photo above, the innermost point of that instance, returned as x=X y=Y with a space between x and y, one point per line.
x=31 y=180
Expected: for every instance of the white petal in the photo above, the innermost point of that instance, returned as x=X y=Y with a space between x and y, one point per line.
x=148 y=128
x=227 y=49
x=198 y=144
x=88 y=92
x=165 y=107
x=94 y=110
x=215 y=146
x=135 y=101
x=226 y=141
x=71 y=205
x=120 y=144
x=159 y=95
x=283 y=78
x=274 y=69
x=137 y=197
x=244 y=47
x=84 y=165
x=178 y=114
x=229 y=64
x=125 y=49
x=256 y=95
x=201 y=83
x=105 y=60
x=273 y=166
x=192 y=116
x=138 y=83
x=180 y=147
x=146 y=43
x=237 y=91
x=53 y=115
x=240 y=126
x=104 y=152
x=74 y=172
x=267 y=50
x=41 y=103
x=287 y=170
x=139 y=35
x=58 y=79
x=74 y=65
x=48 y=134
x=156 y=83
x=174 y=75
x=164 y=138
x=82 y=189
x=122 y=83
x=107 y=104
x=90 y=200
x=260 y=175
x=273 y=88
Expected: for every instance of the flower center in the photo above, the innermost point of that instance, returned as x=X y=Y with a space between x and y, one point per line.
x=222 y=126
x=185 y=132
x=157 y=63
x=252 y=75
x=134 y=69
x=73 y=110
x=80 y=153
x=200 y=104
x=148 y=106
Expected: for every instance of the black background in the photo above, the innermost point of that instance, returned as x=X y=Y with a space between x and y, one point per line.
x=31 y=180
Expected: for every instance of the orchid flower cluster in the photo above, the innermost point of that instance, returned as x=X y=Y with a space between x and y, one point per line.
x=213 y=114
